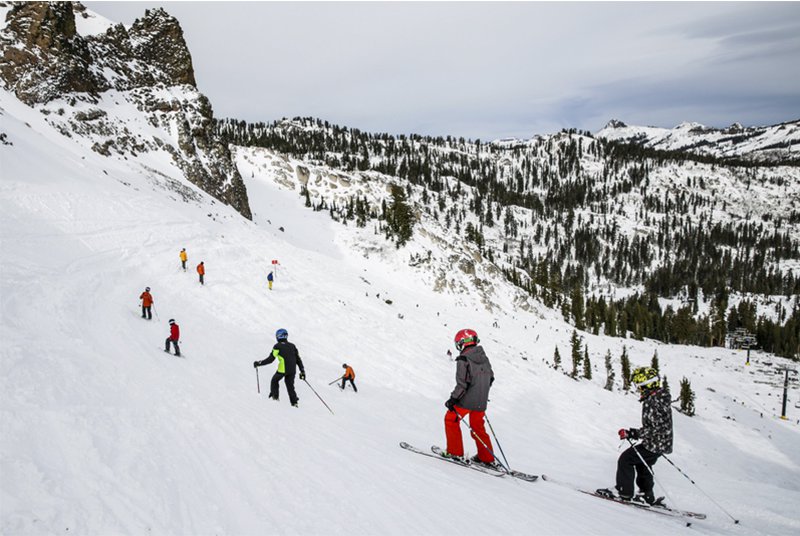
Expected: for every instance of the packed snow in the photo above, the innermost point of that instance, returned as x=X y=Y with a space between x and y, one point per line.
x=103 y=432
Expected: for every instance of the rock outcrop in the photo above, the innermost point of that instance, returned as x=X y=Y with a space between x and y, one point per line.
x=79 y=81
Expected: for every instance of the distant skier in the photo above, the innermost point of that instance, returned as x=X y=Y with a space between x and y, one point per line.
x=270 y=277
x=474 y=377
x=147 y=303
x=174 y=336
x=288 y=361
x=655 y=437
x=449 y=354
x=349 y=375
x=184 y=258
x=201 y=270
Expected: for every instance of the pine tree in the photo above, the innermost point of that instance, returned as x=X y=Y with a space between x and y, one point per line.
x=654 y=362
x=626 y=369
x=609 y=373
x=575 y=343
x=687 y=398
x=556 y=359
x=587 y=365
x=399 y=217
x=577 y=306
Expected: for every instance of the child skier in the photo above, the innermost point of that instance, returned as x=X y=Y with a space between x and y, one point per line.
x=288 y=361
x=474 y=377
x=350 y=375
x=184 y=258
x=147 y=303
x=270 y=277
x=655 y=437
x=174 y=335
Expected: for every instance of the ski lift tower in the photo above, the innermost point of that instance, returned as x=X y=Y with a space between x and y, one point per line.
x=744 y=340
x=786 y=369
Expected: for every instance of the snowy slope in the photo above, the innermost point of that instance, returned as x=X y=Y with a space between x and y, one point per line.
x=104 y=433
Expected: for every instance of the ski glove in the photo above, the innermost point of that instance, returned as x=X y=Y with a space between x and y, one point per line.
x=303 y=376
x=255 y=364
x=633 y=433
x=451 y=404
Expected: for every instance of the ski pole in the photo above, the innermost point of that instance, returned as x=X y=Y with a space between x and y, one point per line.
x=258 y=384
x=156 y=312
x=461 y=419
x=336 y=380
x=735 y=521
x=320 y=398
x=651 y=470
x=498 y=442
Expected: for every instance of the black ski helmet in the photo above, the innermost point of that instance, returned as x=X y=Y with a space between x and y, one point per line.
x=344 y=365
x=171 y=320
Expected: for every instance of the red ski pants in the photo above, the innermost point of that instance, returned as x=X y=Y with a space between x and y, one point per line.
x=452 y=428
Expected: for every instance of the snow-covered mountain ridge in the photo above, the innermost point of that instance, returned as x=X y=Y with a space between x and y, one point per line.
x=773 y=143
x=572 y=219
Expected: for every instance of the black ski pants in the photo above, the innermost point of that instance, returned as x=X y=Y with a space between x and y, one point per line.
x=183 y=264
x=274 y=390
x=146 y=312
x=174 y=343
x=201 y=279
x=344 y=383
x=630 y=466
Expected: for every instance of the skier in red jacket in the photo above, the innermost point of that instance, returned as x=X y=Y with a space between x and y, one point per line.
x=174 y=335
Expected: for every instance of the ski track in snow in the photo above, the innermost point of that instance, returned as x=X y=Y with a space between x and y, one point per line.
x=102 y=432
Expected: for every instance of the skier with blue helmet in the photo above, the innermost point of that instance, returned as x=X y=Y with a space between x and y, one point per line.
x=288 y=362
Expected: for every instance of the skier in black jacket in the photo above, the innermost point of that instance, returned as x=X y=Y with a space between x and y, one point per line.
x=655 y=437
x=288 y=361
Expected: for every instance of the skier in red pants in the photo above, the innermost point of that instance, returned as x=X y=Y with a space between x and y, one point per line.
x=474 y=377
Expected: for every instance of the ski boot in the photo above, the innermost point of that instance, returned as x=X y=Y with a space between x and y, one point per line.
x=459 y=459
x=605 y=492
x=650 y=499
x=476 y=460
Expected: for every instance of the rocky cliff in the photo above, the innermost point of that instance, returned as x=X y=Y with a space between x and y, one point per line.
x=86 y=84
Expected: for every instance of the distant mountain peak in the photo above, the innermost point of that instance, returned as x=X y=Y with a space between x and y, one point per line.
x=615 y=123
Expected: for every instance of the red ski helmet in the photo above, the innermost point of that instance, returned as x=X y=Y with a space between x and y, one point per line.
x=466 y=337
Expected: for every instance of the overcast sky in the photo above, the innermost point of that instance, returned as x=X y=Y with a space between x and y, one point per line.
x=491 y=70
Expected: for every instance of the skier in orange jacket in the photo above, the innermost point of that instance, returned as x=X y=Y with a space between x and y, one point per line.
x=147 y=303
x=201 y=269
x=348 y=375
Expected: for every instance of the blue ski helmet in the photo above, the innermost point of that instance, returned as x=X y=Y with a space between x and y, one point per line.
x=281 y=334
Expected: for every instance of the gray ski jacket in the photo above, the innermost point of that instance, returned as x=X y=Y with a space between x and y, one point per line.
x=474 y=377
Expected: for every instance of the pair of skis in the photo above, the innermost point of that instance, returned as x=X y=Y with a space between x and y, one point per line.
x=437 y=453
x=657 y=508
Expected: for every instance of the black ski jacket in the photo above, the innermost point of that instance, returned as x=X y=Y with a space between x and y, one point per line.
x=288 y=358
